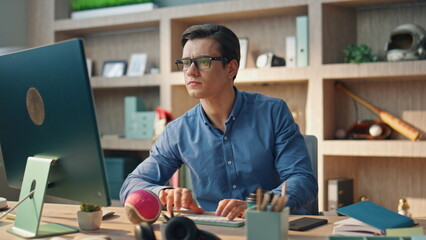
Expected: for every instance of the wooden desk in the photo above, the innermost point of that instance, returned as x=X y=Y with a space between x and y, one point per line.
x=118 y=226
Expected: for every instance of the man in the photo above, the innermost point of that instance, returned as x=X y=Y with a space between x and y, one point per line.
x=232 y=142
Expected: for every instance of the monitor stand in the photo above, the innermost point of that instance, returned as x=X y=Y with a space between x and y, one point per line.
x=27 y=221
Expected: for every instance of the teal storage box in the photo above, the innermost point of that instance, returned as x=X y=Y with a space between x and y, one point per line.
x=138 y=123
x=114 y=189
x=267 y=225
x=117 y=170
x=133 y=104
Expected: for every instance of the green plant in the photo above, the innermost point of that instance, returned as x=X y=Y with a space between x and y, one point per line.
x=359 y=54
x=87 y=207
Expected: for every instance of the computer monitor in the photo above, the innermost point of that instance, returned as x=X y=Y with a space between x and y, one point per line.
x=48 y=131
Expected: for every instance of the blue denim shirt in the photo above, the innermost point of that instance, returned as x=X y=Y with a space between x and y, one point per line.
x=262 y=146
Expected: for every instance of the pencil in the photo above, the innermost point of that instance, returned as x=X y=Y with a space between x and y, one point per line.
x=265 y=201
x=283 y=189
x=258 y=198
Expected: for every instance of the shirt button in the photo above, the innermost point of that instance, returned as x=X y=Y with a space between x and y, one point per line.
x=229 y=162
x=234 y=186
x=226 y=138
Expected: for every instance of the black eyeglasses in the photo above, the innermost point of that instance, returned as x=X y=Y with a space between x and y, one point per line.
x=201 y=62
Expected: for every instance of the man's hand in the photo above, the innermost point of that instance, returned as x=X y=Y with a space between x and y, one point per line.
x=231 y=208
x=178 y=198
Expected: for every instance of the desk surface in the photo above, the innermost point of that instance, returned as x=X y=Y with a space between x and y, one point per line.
x=118 y=226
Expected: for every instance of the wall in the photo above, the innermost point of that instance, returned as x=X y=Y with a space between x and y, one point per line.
x=13 y=32
x=13 y=23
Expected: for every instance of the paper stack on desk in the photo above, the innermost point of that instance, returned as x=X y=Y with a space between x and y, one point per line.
x=353 y=227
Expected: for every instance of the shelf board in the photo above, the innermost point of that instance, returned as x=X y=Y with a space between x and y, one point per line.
x=109 y=143
x=148 y=19
x=362 y=3
x=379 y=148
x=377 y=70
x=384 y=70
x=200 y=12
x=256 y=75
x=149 y=80
x=273 y=74
x=235 y=10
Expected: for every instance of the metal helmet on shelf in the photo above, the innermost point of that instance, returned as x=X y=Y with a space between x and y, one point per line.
x=407 y=42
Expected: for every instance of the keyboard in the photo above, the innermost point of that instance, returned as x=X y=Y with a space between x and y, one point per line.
x=214 y=220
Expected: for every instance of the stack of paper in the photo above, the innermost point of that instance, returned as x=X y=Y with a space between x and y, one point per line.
x=353 y=227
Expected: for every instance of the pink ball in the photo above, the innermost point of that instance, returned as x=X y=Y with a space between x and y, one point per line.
x=142 y=206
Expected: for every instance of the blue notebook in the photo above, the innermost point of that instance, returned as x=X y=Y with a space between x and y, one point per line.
x=376 y=216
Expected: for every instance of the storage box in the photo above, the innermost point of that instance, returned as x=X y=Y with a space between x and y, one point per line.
x=138 y=123
x=114 y=189
x=141 y=126
x=133 y=104
x=117 y=170
x=266 y=224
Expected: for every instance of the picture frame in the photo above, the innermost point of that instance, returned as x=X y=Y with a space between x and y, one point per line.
x=137 y=64
x=115 y=68
x=243 y=52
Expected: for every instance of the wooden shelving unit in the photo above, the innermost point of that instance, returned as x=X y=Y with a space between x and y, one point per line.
x=383 y=170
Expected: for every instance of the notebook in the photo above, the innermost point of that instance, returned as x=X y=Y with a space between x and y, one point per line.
x=376 y=215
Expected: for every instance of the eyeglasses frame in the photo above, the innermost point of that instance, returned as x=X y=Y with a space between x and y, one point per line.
x=193 y=60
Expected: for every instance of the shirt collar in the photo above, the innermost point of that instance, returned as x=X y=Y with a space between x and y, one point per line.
x=238 y=105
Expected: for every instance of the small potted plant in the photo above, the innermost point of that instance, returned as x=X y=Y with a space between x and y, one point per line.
x=359 y=54
x=89 y=217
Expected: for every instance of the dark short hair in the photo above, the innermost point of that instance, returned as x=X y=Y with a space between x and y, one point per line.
x=229 y=45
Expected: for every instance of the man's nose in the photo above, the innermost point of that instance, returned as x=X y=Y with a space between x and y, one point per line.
x=192 y=68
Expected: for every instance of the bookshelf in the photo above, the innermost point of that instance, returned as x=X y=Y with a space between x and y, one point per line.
x=383 y=170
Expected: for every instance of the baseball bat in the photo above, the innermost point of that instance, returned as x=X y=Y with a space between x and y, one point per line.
x=393 y=122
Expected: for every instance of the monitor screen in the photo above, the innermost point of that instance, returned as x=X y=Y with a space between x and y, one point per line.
x=47 y=111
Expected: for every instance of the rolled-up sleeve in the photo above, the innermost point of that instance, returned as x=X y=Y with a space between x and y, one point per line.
x=154 y=172
x=293 y=162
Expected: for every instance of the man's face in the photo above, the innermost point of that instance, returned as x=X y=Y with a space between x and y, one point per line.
x=207 y=83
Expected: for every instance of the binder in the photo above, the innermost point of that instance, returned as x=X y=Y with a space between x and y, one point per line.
x=290 y=50
x=302 y=41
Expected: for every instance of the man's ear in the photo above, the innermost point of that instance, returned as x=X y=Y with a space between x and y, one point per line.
x=233 y=68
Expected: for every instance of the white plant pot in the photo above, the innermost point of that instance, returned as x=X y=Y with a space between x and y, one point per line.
x=89 y=220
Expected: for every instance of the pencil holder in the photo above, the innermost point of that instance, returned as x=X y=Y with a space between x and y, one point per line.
x=266 y=224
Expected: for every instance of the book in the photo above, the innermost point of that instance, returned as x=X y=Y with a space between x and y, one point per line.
x=353 y=227
x=302 y=41
x=376 y=216
x=109 y=11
